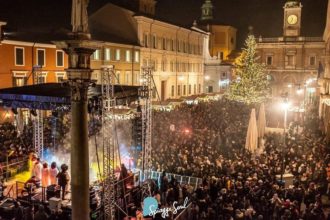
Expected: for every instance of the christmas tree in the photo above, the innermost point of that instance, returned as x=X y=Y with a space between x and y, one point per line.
x=251 y=85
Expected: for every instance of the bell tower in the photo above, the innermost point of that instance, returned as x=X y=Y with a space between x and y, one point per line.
x=292 y=18
x=147 y=7
x=207 y=11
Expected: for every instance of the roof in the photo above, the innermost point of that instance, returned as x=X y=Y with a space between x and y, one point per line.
x=115 y=24
x=50 y=96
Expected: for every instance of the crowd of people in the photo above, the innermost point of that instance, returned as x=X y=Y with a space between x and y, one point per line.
x=191 y=138
x=14 y=145
x=207 y=141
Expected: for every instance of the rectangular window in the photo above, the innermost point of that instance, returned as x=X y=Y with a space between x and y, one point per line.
x=137 y=79
x=189 y=89
x=107 y=54
x=118 y=77
x=163 y=65
x=221 y=55
x=154 y=41
x=127 y=78
x=199 y=88
x=312 y=61
x=19 y=56
x=164 y=43
x=136 y=57
x=41 y=79
x=128 y=56
x=117 y=54
x=179 y=90
x=59 y=58
x=269 y=60
x=195 y=88
x=60 y=77
x=290 y=60
x=19 y=81
x=145 y=40
x=224 y=75
x=184 y=89
x=41 y=54
x=172 y=91
x=96 y=55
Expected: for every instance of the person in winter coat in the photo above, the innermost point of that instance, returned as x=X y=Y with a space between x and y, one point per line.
x=36 y=170
x=53 y=173
x=45 y=181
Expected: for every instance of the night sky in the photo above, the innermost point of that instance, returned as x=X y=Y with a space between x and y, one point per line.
x=266 y=16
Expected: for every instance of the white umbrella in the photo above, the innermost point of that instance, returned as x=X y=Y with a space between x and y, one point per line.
x=251 y=143
x=261 y=121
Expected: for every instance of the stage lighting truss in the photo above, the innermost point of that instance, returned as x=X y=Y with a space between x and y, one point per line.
x=38 y=124
x=110 y=150
x=146 y=98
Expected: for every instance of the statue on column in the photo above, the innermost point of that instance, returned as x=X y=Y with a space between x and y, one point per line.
x=79 y=16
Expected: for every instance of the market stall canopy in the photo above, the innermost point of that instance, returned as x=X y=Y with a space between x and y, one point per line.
x=53 y=96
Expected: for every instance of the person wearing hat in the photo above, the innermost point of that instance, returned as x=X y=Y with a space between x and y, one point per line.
x=63 y=179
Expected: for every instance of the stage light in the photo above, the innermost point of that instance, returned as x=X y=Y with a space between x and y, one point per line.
x=186 y=131
x=285 y=105
x=7 y=115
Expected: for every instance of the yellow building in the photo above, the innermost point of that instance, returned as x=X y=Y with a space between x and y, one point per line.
x=175 y=53
x=124 y=58
x=222 y=40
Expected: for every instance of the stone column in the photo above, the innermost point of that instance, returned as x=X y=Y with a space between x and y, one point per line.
x=79 y=79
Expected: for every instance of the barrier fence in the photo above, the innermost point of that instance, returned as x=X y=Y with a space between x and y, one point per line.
x=186 y=180
x=8 y=170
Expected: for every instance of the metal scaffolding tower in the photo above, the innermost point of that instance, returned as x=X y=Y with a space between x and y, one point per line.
x=146 y=97
x=38 y=122
x=109 y=149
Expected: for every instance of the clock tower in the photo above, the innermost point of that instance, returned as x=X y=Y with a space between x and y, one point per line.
x=292 y=18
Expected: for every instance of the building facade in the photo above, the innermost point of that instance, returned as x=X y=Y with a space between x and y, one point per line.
x=292 y=61
x=175 y=54
x=324 y=80
x=222 y=40
x=219 y=44
x=125 y=60
x=18 y=60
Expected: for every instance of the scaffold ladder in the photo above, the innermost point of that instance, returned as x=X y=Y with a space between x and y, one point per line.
x=109 y=149
x=38 y=122
x=146 y=96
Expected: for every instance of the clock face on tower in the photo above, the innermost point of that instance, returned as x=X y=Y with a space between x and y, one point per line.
x=292 y=19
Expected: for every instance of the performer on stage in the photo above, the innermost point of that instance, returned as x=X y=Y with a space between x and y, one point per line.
x=36 y=170
x=53 y=173
x=63 y=180
x=45 y=181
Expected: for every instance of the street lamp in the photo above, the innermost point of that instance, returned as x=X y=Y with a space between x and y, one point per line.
x=285 y=106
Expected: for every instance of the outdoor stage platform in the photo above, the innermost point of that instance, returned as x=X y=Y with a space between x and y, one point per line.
x=55 y=96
